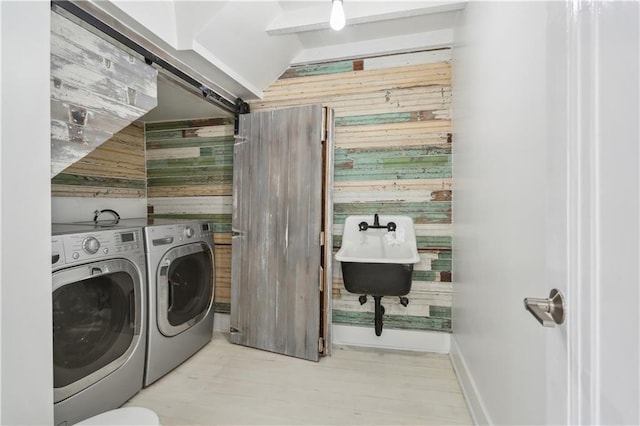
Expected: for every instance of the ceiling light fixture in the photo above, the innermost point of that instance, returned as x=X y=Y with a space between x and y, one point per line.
x=337 y=19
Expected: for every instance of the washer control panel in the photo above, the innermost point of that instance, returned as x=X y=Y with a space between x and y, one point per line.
x=82 y=246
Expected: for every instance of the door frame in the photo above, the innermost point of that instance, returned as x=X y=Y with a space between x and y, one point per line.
x=326 y=311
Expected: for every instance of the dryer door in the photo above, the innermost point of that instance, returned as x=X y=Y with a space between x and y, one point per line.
x=96 y=322
x=185 y=283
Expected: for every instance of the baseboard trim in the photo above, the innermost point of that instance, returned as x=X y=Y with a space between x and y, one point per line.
x=221 y=322
x=408 y=340
x=476 y=406
x=411 y=340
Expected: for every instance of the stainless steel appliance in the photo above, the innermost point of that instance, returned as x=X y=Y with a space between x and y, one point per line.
x=181 y=278
x=99 y=318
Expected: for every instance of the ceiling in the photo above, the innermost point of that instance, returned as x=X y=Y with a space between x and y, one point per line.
x=176 y=102
x=243 y=46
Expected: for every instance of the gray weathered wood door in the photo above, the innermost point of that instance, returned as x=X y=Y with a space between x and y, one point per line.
x=277 y=219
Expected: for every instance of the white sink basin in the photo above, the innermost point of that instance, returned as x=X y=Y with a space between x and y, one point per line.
x=379 y=245
x=377 y=257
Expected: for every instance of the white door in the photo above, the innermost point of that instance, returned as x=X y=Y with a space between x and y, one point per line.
x=603 y=139
x=593 y=374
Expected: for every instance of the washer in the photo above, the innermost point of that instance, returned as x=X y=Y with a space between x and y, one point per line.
x=99 y=298
x=181 y=279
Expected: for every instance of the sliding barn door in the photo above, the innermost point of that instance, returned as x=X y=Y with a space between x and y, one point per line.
x=276 y=244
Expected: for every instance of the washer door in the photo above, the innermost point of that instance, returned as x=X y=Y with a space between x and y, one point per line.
x=185 y=284
x=96 y=322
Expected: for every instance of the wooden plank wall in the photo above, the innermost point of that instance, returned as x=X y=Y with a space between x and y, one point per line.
x=189 y=176
x=116 y=169
x=97 y=89
x=392 y=156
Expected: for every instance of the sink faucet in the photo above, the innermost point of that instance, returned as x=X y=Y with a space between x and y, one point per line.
x=363 y=226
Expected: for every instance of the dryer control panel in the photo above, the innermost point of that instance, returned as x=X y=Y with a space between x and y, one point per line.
x=160 y=236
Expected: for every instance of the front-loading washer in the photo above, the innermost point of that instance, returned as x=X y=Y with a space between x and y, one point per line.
x=181 y=278
x=99 y=298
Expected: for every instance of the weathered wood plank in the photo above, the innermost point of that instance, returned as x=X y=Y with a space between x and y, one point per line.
x=95 y=191
x=430 y=172
x=223 y=159
x=74 y=74
x=222 y=307
x=393 y=321
x=386 y=118
x=70 y=179
x=96 y=90
x=318 y=69
x=390 y=99
x=192 y=205
x=407 y=59
x=365 y=79
x=207 y=179
x=397 y=137
x=179 y=142
x=72 y=42
x=397 y=185
x=428 y=242
x=223 y=274
x=383 y=62
x=190 y=191
x=161 y=154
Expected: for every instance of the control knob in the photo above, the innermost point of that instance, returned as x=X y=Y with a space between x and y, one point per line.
x=188 y=232
x=91 y=245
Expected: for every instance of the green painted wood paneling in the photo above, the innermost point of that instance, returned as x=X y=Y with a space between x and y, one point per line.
x=421 y=213
x=434 y=242
x=225 y=159
x=388 y=118
x=215 y=178
x=180 y=142
x=221 y=222
x=392 y=321
x=440 y=311
x=362 y=174
x=423 y=242
x=355 y=154
x=318 y=69
x=441 y=265
x=222 y=308
x=423 y=275
x=218 y=170
x=220 y=149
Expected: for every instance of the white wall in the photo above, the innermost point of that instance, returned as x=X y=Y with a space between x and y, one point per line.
x=26 y=372
x=76 y=209
x=614 y=115
x=500 y=164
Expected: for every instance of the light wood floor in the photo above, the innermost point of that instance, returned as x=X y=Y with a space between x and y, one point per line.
x=233 y=385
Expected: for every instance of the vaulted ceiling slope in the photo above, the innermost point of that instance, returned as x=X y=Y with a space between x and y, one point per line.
x=246 y=45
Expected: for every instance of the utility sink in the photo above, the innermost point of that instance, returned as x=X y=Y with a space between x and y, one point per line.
x=377 y=257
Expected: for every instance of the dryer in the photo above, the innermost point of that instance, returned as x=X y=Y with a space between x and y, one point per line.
x=181 y=278
x=99 y=319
